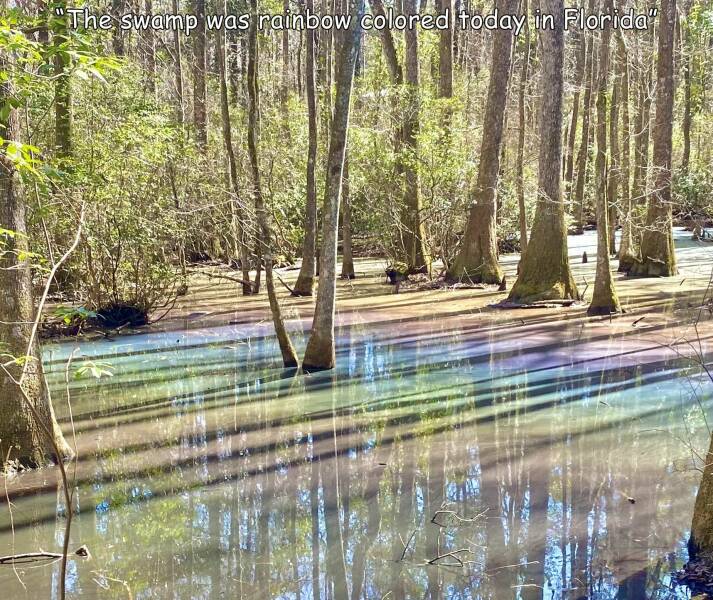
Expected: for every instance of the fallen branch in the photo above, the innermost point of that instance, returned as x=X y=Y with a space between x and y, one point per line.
x=452 y=554
x=29 y=557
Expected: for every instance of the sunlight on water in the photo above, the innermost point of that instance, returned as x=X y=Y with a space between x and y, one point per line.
x=444 y=458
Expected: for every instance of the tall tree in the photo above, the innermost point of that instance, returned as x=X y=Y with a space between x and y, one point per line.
x=580 y=70
x=289 y=357
x=347 y=250
x=477 y=259
x=627 y=250
x=604 y=298
x=522 y=125
x=178 y=71
x=305 y=279
x=63 y=85
x=658 y=257
x=29 y=432
x=445 y=52
x=240 y=246
x=583 y=152
x=406 y=141
x=413 y=233
x=544 y=269
x=320 y=352
x=200 y=111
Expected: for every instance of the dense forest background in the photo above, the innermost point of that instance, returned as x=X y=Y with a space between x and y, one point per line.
x=145 y=136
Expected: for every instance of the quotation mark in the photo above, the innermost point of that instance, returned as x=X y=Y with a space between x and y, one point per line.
x=59 y=11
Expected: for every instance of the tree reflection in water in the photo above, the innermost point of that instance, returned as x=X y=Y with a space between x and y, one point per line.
x=216 y=474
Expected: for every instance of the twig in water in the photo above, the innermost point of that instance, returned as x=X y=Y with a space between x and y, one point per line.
x=452 y=554
x=407 y=544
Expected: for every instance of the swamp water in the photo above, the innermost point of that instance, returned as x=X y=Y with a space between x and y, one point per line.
x=448 y=457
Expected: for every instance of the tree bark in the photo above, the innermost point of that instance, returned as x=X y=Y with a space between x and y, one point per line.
x=544 y=269
x=700 y=544
x=200 y=114
x=583 y=153
x=63 y=88
x=240 y=246
x=522 y=125
x=414 y=233
x=178 y=71
x=658 y=257
x=477 y=259
x=289 y=356
x=604 y=298
x=580 y=69
x=627 y=249
x=445 y=53
x=23 y=437
x=614 y=158
x=320 y=352
x=347 y=255
x=305 y=280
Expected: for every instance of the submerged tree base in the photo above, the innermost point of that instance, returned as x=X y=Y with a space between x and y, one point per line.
x=652 y=267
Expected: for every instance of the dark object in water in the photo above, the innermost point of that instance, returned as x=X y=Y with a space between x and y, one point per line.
x=584 y=258
x=119 y=315
x=396 y=272
x=503 y=285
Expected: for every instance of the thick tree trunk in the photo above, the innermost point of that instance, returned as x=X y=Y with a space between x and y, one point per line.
x=544 y=269
x=347 y=255
x=200 y=114
x=522 y=125
x=289 y=356
x=26 y=435
x=305 y=279
x=604 y=298
x=414 y=233
x=320 y=352
x=240 y=246
x=658 y=257
x=477 y=259
x=700 y=544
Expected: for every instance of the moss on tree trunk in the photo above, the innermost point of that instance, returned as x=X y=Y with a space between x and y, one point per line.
x=544 y=269
x=477 y=259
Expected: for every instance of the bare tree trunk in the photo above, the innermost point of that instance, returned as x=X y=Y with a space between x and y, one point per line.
x=604 y=298
x=320 y=352
x=23 y=437
x=200 y=114
x=117 y=38
x=240 y=246
x=305 y=279
x=289 y=356
x=285 y=83
x=544 y=269
x=477 y=259
x=178 y=70
x=658 y=257
x=614 y=158
x=62 y=90
x=583 y=153
x=148 y=37
x=347 y=256
x=626 y=249
x=580 y=69
x=687 y=112
x=414 y=233
x=521 y=108
x=445 y=53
